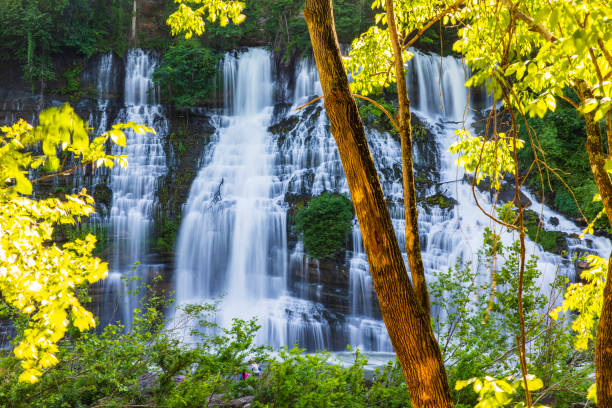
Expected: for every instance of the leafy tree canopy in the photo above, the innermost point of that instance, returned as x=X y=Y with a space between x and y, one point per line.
x=190 y=16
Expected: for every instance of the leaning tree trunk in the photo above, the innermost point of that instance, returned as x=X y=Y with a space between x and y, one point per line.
x=603 y=342
x=413 y=245
x=406 y=321
x=603 y=346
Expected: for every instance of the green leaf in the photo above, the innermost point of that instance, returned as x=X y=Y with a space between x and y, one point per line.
x=533 y=382
x=118 y=137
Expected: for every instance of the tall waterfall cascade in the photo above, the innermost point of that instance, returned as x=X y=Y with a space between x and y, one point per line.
x=134 y=187
x=233 y=242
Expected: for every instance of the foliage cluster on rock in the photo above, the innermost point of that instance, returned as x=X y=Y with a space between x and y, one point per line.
x=324 y=224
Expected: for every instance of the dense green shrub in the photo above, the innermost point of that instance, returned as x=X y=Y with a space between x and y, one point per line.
x=187 y=74
x=147 y=365
x=324 y=224
x=109 y=368
x=294 y=379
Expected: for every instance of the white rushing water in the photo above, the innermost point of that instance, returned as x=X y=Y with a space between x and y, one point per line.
x=234 y=241
x=134 y=187
x=103 y=85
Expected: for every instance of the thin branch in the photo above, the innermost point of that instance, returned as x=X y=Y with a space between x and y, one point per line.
x=432 y=22
x=605 y=51
x=59 y=173
x=536 y=27
x=360 y=97
x=313 y=101
x=379 y=107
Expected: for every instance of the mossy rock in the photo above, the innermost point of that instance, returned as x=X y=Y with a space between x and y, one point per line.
x=551 y=241
x=439 y=200
x=102 y=194
x=284 y=125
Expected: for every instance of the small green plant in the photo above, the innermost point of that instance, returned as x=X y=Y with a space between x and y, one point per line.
x=324 y=224
x=72 y=77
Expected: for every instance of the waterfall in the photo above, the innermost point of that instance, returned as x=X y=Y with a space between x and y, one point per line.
x=134 y=187
x=234 y=238
x=103 y=85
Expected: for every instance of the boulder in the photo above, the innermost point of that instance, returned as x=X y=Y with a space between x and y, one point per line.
x=242 y=402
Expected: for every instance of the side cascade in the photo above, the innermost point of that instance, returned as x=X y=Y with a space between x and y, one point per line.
x=236 y=238
x=134 y=189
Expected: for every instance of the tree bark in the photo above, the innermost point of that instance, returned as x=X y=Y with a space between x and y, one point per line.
x=133 y=38
x=603 y=346
x=406 y=321
x=603 y=342
x=413 y=244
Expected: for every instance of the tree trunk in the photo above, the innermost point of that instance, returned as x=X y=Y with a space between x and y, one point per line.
x=603 y=342
x=134 y=14
x=408 y=325
x=413 y=245
x=603 y=346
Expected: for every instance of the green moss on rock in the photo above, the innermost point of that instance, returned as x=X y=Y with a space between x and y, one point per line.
x=551 y=241
x=440 y=200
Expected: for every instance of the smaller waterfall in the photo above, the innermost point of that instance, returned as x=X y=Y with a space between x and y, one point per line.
x=306 y=81
x=134 y=187
x=103 y=85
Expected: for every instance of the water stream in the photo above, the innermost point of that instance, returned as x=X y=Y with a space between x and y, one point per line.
x=134 y=188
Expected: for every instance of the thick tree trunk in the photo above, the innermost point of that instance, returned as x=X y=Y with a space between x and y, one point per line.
x=413 y=245
x=406 y=321
x=603 y=343
x=603 y=346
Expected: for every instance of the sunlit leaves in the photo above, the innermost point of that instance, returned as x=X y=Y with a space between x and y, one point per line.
x=38 y=278
x=493 y=392
x=190 y=16
x=370 y=62
x=370 y=59
x=586 y=299
x=487 y=158
x=563 y=47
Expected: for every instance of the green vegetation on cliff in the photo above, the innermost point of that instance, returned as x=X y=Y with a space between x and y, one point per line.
x=187 y=74
x=560 y=138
